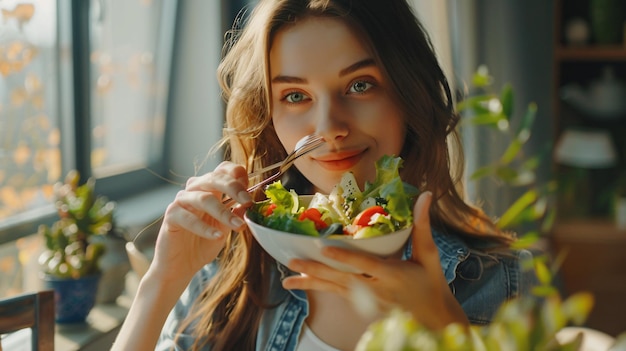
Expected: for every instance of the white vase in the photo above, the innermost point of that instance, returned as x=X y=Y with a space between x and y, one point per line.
x=114 y=265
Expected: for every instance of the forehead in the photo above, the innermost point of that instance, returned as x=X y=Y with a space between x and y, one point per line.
x=316 y=43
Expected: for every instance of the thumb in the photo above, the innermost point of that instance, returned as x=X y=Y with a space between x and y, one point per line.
x=424 y=250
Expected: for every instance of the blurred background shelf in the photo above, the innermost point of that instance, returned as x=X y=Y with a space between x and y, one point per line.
x=595 y=261
x=590 y=53
x=589 y=59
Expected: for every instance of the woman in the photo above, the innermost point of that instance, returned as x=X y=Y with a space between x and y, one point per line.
x=362 y=74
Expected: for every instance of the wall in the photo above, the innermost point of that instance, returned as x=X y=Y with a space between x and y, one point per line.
x=196 y=104
x=514 y=40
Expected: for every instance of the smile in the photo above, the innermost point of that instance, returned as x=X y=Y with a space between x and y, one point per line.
x=340 y=161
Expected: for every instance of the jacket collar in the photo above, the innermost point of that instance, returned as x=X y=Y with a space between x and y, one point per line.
x=452 y=251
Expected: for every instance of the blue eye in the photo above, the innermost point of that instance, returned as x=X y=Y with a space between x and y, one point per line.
x=295 y=97
x=360 y=86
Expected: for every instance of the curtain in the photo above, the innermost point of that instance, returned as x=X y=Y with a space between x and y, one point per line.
x=516 y=50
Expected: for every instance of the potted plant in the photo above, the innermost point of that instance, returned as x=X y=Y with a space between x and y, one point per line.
x=69 y=262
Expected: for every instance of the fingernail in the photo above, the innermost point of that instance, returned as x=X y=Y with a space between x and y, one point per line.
x=214 y=233
x=236 y=222
x=244 y=197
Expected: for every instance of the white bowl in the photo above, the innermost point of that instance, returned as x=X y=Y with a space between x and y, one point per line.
x=284 y=246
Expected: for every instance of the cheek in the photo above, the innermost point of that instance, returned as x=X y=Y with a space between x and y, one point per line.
x=388 y=128
x=386 y=131
x=394 y=140
x=287 y=131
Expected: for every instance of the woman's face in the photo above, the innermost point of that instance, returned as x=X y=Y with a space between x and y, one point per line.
x=324 y=80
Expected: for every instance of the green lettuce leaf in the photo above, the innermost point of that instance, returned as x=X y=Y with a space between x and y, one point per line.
x=389 y=186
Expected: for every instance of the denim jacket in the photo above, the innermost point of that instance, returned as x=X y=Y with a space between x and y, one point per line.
x=480 y=282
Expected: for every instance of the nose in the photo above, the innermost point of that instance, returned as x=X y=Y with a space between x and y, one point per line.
x=331 y=120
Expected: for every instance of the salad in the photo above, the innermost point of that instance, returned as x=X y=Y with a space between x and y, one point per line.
x=383 y=207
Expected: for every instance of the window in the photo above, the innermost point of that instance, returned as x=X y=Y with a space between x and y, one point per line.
x=84 y=85
x=131 y=44
x=30 y=103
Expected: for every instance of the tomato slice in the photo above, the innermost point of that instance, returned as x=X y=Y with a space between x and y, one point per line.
x=315 y=215
x=270 y=209
x=364 y=217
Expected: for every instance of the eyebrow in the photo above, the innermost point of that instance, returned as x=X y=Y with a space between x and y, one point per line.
x=352 y=68
x=369 y=62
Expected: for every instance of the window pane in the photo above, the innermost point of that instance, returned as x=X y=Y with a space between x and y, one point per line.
x=131 y=44
x=30 y=155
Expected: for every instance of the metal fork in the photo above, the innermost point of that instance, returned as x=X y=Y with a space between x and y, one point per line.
x=303 y=147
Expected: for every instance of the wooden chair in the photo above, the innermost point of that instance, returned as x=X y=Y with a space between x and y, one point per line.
x=33 y=310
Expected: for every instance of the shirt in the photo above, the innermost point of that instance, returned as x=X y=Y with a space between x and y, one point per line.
x=480 y=281
x=309 y=341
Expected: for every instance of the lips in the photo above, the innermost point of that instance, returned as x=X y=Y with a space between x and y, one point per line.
x=340 y=161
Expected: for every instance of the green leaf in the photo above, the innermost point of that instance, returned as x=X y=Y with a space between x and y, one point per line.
x=506 y=97
x=481 y=77
x=523 y=133
x=578 y=306
x=524 y=178
x=476 y=104
x=552 y=317
x=488 y=119
x=543 y=273
x=511 y=152
x=548 y=220
x=531 y=163
x=532 y=213
x=507 y=174
x=527 y=199
x=526 y=215
x=526 y=241
x=482 y=172
x=544 y=290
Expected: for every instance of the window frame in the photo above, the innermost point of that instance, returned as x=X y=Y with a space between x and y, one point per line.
x=74 y=90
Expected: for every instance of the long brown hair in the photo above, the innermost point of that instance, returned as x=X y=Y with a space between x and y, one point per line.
x=227 y=314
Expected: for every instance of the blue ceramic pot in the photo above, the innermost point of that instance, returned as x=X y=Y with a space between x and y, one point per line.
x=74 y=298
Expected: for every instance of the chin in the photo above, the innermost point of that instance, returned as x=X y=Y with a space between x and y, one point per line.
x=324 y=186
x=324 y=180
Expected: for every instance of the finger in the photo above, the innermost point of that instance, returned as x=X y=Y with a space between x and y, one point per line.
x=306 y=282
x=235 y=170
x=367 y=264
x=178 y=218
x=424 y=250
x=208 y=209
x=240 y=210
x=315 y=276
x=228 y=178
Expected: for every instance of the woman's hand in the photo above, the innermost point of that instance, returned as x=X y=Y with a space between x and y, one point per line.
x=193 y=232
x=195 y=224
x=416 y=285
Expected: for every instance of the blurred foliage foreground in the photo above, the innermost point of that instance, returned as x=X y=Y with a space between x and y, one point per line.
x=520 y=324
